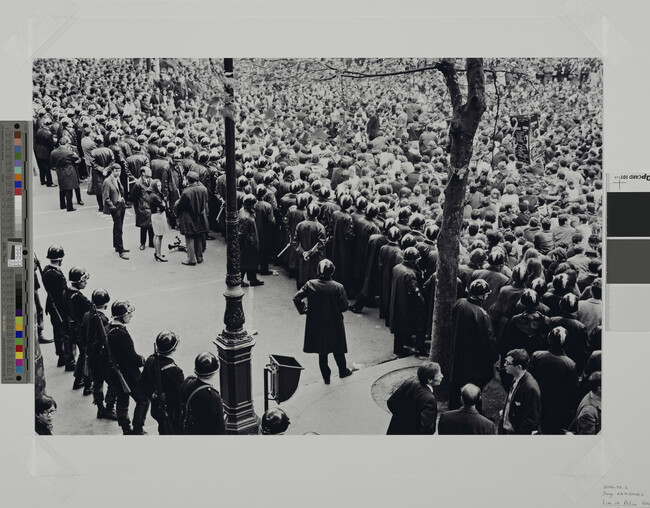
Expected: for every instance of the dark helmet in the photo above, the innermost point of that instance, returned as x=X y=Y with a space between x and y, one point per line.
x=313 y=211
x=361 y=203
x=324 y=192
x=269 y=177
x=242 y=182
x=171 y=147
x=166 y=342
x=372 y=211
x=203 y=158
x=496 y=258
x=404 y=214
x=205 y=364
x=539 y=285
x=274 y=421
x=113 y=137
x=78 y=274
x=477 y=257
x=345 y=201
x=302 y=200
x=249 y=173
x=100 y=297
x=249 y=201
x=316 y=186
x=557 y=336
x=121 y=308
x=519 y=274
x=411 y=254
x=388 y=224
x=295 y=187
x=529 y=299
x=561 y=283
x=569 y=303
x=431 y=232
x=416 y=221
x=55 y=253
x=408 y=240
x=260 y=191
x=394 y=234
x=325 y=269
x=479 y=287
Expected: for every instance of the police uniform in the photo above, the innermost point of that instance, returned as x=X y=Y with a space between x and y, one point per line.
x=129 y=363
x=206 y=408
x=98 y=359
x=171 y=378
x=78 y=305
x=56 y=284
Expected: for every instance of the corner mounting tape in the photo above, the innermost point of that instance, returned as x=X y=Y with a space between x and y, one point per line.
x=585 y=18
x=53 y=18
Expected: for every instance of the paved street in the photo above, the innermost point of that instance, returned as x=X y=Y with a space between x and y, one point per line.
x=187 y=300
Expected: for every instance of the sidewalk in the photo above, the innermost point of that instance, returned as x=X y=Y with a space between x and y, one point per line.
x=346 y=406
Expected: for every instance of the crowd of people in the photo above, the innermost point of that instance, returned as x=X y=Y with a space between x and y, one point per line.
x=354 y=174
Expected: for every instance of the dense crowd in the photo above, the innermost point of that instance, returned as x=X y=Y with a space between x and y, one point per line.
x=354 y=172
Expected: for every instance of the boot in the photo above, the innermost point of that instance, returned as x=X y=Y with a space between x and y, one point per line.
x=78 y=383
x=138 y=432
x=126 y=429
x=109 y=413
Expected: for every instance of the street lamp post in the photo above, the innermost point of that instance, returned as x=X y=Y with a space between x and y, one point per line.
x=234 y=343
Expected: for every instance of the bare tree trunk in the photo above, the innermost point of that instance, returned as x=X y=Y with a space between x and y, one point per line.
x=464 y=123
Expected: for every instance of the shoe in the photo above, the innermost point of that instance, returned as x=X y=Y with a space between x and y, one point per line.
x=257 y=282
x=106 y=414
x=347 y=373
x=72 y=210
x=52 y=185
x=356 y=310
x=158 y=258
x=244 y=284
x=78 y=383
x=43 y=340
x=70 y=367
x=326 y=380
x=143 y=247
x=88 y=391
x=210 y=237
x=123 y=255
x=80 y=203
x=138 y=432
x=127 y=431
x=126 y=250
x=61 y=362
x=265 y=273
x=187 y=263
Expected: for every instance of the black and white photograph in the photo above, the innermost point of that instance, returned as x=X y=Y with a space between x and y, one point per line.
x=318 y=246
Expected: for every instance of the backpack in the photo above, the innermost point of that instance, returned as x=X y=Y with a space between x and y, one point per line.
x=186 y=414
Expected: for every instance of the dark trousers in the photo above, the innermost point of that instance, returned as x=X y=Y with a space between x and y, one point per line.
x=65 y=199
x=100 y=201
x=39 y=314
x=143 y=235
x=252 y=275
x=122 y=408
x=79 y=370
x=325 y=370
x=194 y=244
x=100 y=373
x=118 y=223
x=62 y=342
x=44 y=170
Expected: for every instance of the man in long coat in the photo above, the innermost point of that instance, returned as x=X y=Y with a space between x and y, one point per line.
x=389 y=256
x=191 y=210
x=64 y=161
x=324 y=329
x=309 y=241
x=343 y=242
x=265 y=222
x=249 y=243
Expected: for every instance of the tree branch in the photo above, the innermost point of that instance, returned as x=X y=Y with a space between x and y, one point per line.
x=448 y=70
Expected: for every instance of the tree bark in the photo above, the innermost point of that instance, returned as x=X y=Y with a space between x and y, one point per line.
x=464 y=123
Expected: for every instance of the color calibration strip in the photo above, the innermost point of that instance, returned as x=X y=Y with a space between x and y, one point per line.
x=15 y=144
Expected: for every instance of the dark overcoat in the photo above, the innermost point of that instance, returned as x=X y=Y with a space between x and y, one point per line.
x=140 y=200
x=65 y=161
x=191 y=210
x=249 y=244
x=407 y=314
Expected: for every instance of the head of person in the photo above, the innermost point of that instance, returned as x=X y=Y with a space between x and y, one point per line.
x=192 y=177
x=325 y=269
x=78 y=277
x=122 y=311
x=116 y=170
x=145 y=174
x=45 y=408
x=55 y=254
x=274 y=422
x=478 y=289
x=166 y=342
x=516 y=362
x=557 y=338
x=595 y=382
x=205 y=365
x=411 y=256
x=429 y=373
x=470 y=395
x=100 y=298
x=156 y=186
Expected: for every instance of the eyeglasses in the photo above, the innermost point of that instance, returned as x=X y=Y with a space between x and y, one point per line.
x=50 y=411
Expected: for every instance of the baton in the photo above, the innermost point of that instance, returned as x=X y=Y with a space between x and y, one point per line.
x=220 y=212
x=284 y=250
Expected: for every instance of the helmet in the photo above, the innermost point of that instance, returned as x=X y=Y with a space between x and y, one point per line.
x=302 y=200
x=324 y=192
x=345 y=201
x=362 y=203
x=242 y=182
x=203 y=157
x=404 y=214
x=539 y=285
x=416 y=221
x=411 y=254
x=249 y=173
x=100 y=297
x=274 y=421
x=121 y=308
x=561 y=282
x=249 y=201
x=316 y=186
x=166 y=342
x=557 y=336
x=55 y=253
x=408 y=240
x=394 y=234
x=372 y=211
x=295 y=187
x=205 y=364
x=496 y=258
x=269 y=177
x=529 y=299
x=479 y=287
x=260 y=191
x=325 y=269
x=388 y=224
x=569 y=303
x=477 y=257
x=78 y=274
x=519 y=274
x=313 y=211
x=431 y=232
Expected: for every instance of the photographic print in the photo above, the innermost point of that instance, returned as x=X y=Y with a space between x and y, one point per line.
x=318 y=246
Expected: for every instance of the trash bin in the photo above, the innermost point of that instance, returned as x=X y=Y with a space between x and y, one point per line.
x=285 y=374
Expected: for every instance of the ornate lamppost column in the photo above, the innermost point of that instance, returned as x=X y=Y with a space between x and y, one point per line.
x=234 y=343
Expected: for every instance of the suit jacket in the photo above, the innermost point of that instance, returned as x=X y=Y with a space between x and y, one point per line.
x=464 y=421
x=414 y=409
x=112 y=194
x=526 y=405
